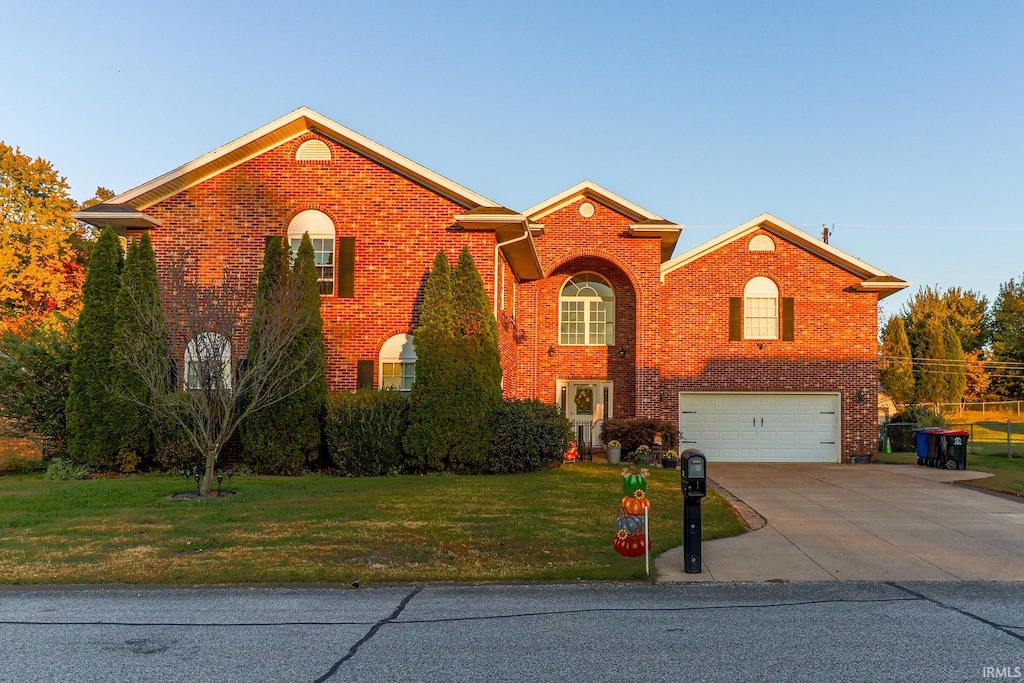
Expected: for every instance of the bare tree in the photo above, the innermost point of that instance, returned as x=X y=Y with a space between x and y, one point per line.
x=216 y=389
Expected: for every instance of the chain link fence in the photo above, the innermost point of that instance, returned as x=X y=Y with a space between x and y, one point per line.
x=986 y=438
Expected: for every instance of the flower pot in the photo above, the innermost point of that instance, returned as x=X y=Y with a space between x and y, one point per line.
x=614 y=455
x=644 y=459
x=669 y=464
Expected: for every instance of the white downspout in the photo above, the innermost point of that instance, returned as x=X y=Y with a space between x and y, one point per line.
x=498 y=246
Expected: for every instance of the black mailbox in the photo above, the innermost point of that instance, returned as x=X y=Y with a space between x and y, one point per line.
x=694 y=483
x=694 y=476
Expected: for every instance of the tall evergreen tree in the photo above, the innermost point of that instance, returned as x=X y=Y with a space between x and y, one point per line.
x=282 y=439
x=931 y=385
x=956 y=367
x=895 y=368
x=139 y=329
x=434 y=420
x=478 y=364
x=93 y=436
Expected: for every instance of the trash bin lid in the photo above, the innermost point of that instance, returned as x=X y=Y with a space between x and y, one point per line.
x=955 y=432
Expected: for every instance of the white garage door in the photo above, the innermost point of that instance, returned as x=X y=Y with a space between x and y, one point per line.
x=776 y=427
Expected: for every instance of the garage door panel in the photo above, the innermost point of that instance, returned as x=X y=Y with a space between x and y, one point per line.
x=768 y=427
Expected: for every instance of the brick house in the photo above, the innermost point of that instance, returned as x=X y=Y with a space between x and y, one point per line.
x=761 y=343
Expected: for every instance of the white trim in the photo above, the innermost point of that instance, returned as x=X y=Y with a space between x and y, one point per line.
x=786 y=231
x=331 y=129
x=117 y=218
x=592 y=191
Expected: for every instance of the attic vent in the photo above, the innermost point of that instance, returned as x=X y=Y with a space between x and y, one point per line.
x=313 y=150
x=586 y=209
x=762 y=243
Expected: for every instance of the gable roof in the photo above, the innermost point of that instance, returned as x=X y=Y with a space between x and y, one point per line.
x=286 y=128
x=646 y=223
x=874 y=280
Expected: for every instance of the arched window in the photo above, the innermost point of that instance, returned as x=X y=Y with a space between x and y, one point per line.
x=321 y=231
x=761 y=309
x=398 y=363
x=586 y=314
x=208 y=362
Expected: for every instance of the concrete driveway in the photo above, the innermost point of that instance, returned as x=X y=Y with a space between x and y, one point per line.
x=860 y=523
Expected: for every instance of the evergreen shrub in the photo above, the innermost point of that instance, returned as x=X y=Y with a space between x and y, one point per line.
x=364 y=432
x=529 y=436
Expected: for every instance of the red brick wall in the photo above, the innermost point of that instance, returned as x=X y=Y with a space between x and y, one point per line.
x=600 y=244
x=835 y=331
x=675 y=334
x=398 y=226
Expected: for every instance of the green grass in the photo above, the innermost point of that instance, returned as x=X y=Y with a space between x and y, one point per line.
x=555 y=525
x=1008 y=473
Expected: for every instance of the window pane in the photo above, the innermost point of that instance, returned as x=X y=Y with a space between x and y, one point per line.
x=587 y=311
x=761 y=318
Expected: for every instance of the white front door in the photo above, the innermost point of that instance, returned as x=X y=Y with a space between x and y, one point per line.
x=586 y=404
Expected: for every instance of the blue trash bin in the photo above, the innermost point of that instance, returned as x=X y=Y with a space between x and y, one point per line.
x=922 y=445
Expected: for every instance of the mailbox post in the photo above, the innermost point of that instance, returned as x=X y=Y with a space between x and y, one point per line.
x=693 y=482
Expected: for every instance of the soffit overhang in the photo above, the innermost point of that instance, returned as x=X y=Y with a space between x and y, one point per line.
x=290 y=126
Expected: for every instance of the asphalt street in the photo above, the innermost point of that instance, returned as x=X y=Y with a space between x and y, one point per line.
x=830 y=631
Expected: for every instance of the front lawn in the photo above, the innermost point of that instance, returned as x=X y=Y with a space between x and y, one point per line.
x=555 y=525
x=1008 y=473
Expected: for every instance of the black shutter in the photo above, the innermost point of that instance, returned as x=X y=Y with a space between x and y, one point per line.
x=267 y=239
x=346 y=267
x=364 y=374
x=787 y=318
x=172 y=375
x=735 y=318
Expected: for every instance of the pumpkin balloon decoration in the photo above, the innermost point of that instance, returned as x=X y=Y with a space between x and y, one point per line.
x=630 y=527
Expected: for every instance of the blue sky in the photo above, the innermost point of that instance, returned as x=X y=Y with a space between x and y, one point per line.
x=900 y=123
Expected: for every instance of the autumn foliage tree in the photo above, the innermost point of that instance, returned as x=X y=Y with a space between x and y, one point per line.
x=41 y=270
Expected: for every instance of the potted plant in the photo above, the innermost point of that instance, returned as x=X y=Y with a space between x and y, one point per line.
x=670 y=460
x=614 y=452
x=642 y=455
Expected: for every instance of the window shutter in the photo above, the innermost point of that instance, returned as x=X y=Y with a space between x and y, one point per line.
x=787 y=318
x=267 y=240
x=364 y=374
x=172 y=375
x=735 y=318
x=346 y=267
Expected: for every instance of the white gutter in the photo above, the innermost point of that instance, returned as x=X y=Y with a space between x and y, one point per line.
x=499 y=245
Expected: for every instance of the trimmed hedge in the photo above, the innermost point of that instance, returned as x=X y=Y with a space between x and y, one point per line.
x=364 y=432
x=640 y=432
x=529 y=436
